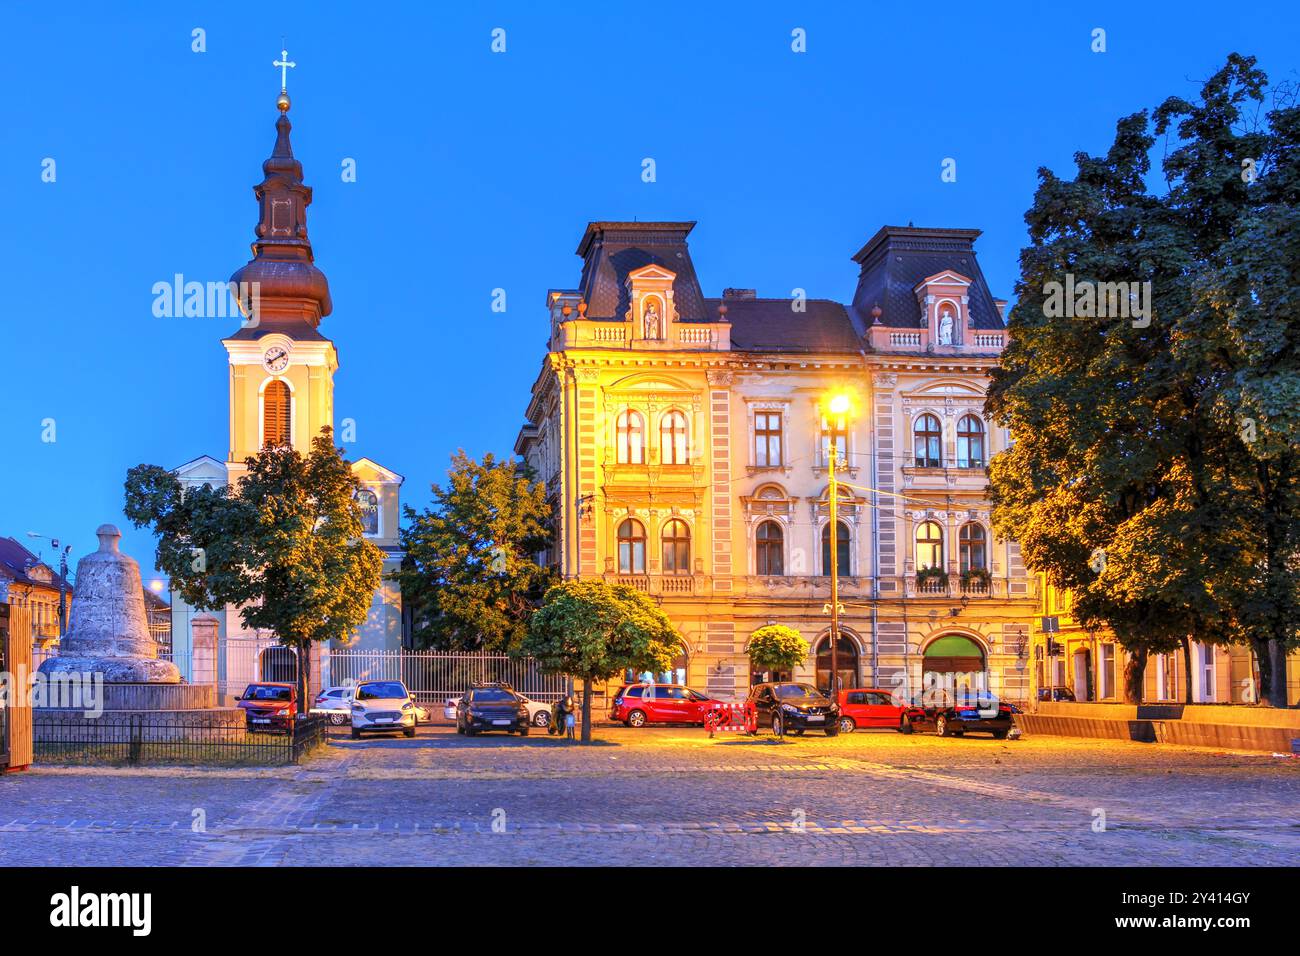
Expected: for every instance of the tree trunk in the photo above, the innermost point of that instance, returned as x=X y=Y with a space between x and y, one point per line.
x=304 y=674
x=1277 y=690
x=586 y=710
x=1187 y=669
x=1263 y=654
x=1134 y=670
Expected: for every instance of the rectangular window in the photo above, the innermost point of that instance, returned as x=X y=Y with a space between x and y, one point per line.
x=767 y=440
x=1107 y=671
x=835 y=434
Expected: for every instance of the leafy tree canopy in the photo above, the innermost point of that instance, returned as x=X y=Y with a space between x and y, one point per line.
x=471 y=578
x=284 y=543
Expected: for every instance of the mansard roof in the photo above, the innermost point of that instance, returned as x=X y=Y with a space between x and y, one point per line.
x=773 y=325
x=612 y=250
x=893 y=264
x=897 y=258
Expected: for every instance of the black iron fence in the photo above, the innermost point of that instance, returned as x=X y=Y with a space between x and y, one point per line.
x=171 y=739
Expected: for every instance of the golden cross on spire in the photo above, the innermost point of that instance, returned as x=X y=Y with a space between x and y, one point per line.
x=284 y=63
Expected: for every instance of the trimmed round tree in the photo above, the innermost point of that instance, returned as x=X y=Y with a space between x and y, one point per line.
x=593 y=630
x=776 y=647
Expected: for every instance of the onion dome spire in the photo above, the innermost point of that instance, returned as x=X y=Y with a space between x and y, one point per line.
x=290 y=290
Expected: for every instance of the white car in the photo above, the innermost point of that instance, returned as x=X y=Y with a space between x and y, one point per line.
x=336 y=702
x=383 y=705
x=539 y=714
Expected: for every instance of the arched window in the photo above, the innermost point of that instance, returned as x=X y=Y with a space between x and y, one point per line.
x=929 y=545
x=631 y=438
x=369 y=502
x=631 y=547
x=843 y=549
x=276 y=415
x=971 y=547
x=672 y=439
x=928 y=435
x=769 y=549
x=970 y=442
x=676 y=547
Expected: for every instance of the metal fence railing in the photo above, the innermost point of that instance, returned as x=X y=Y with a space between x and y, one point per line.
x=434 y=676
x=172 y=738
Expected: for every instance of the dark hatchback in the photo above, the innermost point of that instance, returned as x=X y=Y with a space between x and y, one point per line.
x=488 y=707
x=954 y=717
x=793 y=708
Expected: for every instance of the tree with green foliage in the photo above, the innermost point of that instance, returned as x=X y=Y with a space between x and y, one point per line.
x=284 y=543
x=776 y=647
x=471 y=578
x=1132 y=481
x=593 y=631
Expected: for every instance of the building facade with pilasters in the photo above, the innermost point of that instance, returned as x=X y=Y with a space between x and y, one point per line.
x=685 y=448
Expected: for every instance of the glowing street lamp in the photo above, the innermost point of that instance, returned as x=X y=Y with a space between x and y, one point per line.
x=838 y=406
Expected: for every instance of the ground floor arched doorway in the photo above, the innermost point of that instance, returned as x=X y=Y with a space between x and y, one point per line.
x=846 y=663
x=954 y=662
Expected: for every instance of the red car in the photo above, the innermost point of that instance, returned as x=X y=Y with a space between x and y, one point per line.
x=268 y=706
x=871 y=707
x=639 y=704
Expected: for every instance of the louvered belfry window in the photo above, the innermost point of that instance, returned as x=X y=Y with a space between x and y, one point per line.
x=275 y=415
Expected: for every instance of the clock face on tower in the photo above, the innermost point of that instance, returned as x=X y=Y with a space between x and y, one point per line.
x=276 y=358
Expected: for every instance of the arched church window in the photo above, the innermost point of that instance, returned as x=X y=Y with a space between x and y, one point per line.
x=276 y=415
x=369 y=502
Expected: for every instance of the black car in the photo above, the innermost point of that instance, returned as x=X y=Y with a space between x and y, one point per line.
x=953 y=715
x=487 y=707
x=794 y=708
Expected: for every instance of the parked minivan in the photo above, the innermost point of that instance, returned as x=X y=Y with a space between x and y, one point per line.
x=636 y=705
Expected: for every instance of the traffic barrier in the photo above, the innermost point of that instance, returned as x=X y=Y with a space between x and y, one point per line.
x=732 y=718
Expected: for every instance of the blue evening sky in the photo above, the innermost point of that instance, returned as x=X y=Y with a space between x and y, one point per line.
x=478 y=170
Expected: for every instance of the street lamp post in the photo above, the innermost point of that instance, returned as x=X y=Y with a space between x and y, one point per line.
x=839 y=406
x=63 y=580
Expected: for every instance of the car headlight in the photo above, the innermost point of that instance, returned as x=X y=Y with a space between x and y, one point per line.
x=408 y=706
x=790 y=708
x=358 y=707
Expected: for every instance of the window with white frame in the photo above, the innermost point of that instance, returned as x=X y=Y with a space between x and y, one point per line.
x=768 y=439
x=630 y=438
x=673 y=439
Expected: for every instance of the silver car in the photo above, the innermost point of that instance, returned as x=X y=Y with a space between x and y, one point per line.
x=383 y=705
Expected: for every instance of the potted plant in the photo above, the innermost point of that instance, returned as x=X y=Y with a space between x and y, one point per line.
x=925 y=575
x=975 y=579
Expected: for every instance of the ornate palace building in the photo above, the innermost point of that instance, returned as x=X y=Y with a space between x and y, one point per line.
x=684 y=443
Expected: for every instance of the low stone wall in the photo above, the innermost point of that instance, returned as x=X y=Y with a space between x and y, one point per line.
x=1199 y=725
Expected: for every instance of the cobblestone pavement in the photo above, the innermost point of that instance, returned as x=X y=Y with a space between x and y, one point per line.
x=671 y=796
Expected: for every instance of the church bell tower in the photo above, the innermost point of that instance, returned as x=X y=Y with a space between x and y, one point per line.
x=281 y=367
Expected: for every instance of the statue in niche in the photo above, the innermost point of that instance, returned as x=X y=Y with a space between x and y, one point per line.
x=651 y=319
x=945 y=328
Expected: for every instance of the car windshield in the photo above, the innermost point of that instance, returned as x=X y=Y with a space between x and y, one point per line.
x=381 y=690
x=491 y=695
x=263 y=692
x=787 y=691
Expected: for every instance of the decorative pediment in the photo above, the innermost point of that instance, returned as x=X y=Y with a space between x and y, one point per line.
x=652 y=311
x=651 y=382
x=945 y=307
x=373 y=472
